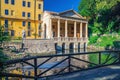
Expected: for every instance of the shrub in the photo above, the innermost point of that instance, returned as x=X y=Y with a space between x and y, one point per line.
x=107 y=40
x=93 y=39
x=3 y=58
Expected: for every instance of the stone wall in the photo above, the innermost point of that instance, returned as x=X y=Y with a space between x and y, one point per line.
x=39 y=45
x=17 y=45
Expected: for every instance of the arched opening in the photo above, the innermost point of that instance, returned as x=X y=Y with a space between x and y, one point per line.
x=85 y=46
x=71 y=47
x=78 y=47
x=56 y=46
x=63 y=47
x=45 y=30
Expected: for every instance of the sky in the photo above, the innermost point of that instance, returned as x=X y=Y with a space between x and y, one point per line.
x=61 y=5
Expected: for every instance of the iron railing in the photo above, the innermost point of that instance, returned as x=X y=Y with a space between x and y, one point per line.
x=39 y=67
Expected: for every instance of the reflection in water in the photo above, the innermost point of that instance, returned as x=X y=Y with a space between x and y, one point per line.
x=77 y=51
x=70 y=51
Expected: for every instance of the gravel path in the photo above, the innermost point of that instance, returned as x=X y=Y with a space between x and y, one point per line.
x=103 y=73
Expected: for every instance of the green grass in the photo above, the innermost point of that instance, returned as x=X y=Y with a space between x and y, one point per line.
x=103 y=41
x=94 y=58
x=107 y=40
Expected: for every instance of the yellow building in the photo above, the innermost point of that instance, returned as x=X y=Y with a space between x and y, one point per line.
x=21 y=15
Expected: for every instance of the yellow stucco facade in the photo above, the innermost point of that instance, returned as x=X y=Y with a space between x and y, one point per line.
x=19 y=15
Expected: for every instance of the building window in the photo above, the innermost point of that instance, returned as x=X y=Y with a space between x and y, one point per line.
x=23 y=23
x=29 y=4
x=29 y=24
x=29 y=28
x=39 y=33
x=6 y=27
x=23 y=14
x=6 y=1
x=28 y=15
x=24 y=3
x=12 y=33
x=39 y=16
x=6 y=12
x=12 y=12
x=39 y=6
x=6 y=23
x=29 y=33
x=12 y=2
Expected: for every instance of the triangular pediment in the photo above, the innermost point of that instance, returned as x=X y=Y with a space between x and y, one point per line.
x=70 y=13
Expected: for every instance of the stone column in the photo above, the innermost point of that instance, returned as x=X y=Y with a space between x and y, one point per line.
x=75 y=24
x=86 y=30
x=58 y=27
x=66 y=25
x=51 y=32
x=80 y=29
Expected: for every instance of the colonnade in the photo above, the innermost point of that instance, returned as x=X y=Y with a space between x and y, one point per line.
x=75 y=28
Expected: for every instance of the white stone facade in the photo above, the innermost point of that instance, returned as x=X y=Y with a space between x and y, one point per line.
x=65 y=27
x=67 y=18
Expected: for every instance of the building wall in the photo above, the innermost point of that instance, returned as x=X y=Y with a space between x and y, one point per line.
x=15 y=17
x=46 y=22
x=39 y=45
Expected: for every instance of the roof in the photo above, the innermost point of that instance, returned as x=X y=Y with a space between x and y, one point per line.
x=68 y=13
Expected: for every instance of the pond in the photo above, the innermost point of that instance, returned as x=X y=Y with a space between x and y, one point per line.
x=76 y=51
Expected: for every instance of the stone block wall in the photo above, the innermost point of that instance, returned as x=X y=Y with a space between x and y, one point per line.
x=39 y=45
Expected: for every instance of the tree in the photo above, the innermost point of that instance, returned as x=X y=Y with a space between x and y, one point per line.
x=3 y=35
x=103 y=15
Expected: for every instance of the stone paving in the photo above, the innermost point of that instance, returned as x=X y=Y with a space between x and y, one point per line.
x=103 y=73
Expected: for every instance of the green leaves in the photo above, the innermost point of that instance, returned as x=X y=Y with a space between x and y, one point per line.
x=3 y=35
x=3 y=57
x=103 y=15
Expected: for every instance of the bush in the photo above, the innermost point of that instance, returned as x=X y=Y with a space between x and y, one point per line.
x=107 y=40
x=93 y=39
x=3 y=58
x=103 y=41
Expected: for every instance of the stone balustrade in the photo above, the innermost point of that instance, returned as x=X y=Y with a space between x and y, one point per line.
x=70 y=39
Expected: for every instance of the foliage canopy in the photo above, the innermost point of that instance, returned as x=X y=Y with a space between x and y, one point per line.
x=103 y=15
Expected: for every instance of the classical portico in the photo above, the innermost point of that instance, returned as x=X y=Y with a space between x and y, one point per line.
x=66 y=27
